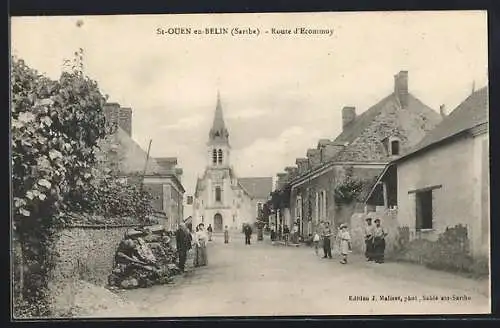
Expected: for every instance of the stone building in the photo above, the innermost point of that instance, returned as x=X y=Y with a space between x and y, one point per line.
x=444 y=180
x=330 y=182
x=127 y=159
x=221 y=198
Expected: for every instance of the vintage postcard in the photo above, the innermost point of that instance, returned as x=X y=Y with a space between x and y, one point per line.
x=277 y=164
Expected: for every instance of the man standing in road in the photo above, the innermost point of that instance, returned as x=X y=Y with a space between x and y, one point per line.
x=369 y=229
x=326 y=234
x=248 y=233
x=183 y=240
x=210 y=230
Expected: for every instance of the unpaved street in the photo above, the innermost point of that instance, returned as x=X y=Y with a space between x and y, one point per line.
x=262 y=279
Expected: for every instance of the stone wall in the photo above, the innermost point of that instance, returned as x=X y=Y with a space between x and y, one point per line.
x=389 y=222
x=84 y=253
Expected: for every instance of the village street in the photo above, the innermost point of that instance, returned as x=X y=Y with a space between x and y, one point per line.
x=262 y=279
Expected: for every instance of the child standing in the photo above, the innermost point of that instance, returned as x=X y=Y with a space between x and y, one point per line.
x=316 y=243
x=345 y=243
x=226 y=235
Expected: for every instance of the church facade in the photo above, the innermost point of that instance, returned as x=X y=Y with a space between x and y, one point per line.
x=221 y=198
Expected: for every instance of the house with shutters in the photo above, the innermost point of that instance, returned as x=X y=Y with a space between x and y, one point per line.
x=221 y=197
x=161 y=176
x=444 y=180
x=331 y=181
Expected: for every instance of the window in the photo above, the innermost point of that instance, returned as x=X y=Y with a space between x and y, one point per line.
x=394 y=146
x=423 y=210
x=298 y=208
x=234 y=218
x=214 y=156
x=218 y=194
x=220 y=156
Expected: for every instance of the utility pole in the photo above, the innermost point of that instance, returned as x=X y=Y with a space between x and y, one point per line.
x=146 y=164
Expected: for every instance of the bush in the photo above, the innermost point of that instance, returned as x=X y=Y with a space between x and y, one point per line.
x=450 y=252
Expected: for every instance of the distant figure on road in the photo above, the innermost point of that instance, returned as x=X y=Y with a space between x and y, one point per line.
x=316 y=243
x=295 y=233
x=326 y=234
x=183 y=240
x=345 y=243
x=248 y=233
x=369 y=229
x=210 y=231
x=273 y=233
x=286 y=234
x=201 y=246
x=379 y=235
x=226 y=235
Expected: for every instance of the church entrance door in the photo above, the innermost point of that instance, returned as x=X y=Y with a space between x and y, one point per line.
x=218 y=222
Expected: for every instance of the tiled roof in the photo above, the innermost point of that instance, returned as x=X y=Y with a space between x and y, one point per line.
x=259 y=187
x=353 y=130
x=364 y=121
x=130 y=157
x=471 y=112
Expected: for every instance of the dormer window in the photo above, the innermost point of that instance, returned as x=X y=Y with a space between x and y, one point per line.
x=394 y=146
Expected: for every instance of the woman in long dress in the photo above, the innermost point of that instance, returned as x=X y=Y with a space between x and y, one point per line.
x=201 y=246
x=345 y=243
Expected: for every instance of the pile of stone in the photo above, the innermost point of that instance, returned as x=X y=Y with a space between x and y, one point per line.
x=144 y=257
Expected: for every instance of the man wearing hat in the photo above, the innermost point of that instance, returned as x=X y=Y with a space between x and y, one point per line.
x=183 y=241
x=369 y=228
x=327 y=233
x=379 y=235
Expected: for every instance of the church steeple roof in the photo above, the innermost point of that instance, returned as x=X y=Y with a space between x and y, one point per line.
x=218 y=133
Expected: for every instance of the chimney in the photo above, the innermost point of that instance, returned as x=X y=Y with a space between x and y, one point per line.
x=401 y=88
x=442 y=111
x=348 y=116
x=125 y=120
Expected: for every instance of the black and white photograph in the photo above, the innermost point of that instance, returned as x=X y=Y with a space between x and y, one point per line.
x=250 y=164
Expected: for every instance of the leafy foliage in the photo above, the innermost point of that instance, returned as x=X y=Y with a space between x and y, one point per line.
x=56 y=127
x=348 y=190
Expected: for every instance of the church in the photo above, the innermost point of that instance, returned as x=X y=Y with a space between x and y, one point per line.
x=221 y=198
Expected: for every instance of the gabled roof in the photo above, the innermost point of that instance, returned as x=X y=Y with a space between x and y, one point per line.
x=129 y=156
x=356 y=129
x=361 y=122
x=472 y=112
x=259 y=187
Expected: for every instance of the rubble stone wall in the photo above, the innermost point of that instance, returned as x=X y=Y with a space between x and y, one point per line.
x=84 y=253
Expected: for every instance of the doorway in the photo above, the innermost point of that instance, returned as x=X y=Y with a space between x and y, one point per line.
x=218 y=222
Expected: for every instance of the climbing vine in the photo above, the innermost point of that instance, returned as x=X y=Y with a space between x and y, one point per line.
x=348 y=189
x=56 y=126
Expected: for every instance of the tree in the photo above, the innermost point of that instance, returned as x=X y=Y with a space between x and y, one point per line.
x=55 y=129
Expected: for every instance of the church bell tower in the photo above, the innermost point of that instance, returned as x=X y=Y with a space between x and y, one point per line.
x=218 y=140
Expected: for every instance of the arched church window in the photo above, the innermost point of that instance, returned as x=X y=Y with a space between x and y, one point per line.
x=218 y=194
x=220 y=156
x=214 y=156
x=217 y=134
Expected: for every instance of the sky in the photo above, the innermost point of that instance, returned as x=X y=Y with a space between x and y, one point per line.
x=280 y=93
